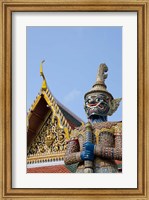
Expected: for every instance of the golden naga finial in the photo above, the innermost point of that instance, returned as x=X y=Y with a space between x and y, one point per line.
x=44 y=83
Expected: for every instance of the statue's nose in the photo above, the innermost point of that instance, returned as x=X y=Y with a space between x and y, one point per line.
x=93 y=103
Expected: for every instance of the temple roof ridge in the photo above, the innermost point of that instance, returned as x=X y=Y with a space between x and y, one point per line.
x=70 y=112
x=59 y=106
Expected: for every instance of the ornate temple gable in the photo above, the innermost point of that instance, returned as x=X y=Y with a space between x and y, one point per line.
x=49 y=127
x=50 y=103
x=50 y=140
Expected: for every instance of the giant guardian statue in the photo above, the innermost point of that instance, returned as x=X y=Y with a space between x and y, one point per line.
x=96 y=145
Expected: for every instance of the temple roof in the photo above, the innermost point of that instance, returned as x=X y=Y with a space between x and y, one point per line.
x=41 y=108
x=61 y=168
x=73 y=120
x=49 y=169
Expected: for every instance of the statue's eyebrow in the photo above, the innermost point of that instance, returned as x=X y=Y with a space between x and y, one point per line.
x=103 y=95
x=91 y=97
x=88 y=98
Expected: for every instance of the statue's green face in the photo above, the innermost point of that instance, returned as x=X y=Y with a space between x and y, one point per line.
x=97 y=104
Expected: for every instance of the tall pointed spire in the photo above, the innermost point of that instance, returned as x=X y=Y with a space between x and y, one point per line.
x=44 y=83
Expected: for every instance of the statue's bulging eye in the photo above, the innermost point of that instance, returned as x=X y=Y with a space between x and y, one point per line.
x=89 y=101
x=97 y=100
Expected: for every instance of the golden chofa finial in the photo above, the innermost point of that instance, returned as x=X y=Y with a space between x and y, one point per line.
x=44 y=83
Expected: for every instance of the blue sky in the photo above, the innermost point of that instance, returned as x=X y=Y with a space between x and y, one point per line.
x=72 y=56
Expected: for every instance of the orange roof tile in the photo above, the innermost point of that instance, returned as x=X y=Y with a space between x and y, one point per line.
x=118 y=162
x=49 y=169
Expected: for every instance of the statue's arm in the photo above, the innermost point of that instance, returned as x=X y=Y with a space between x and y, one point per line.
x=73 y=153
x=114 y=153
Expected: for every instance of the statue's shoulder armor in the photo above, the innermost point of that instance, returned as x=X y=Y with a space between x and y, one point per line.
x=78 y=131
x=112 y=127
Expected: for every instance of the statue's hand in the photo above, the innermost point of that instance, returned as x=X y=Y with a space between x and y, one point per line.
x=87 y=155
x=88 y=151
x=88 y=146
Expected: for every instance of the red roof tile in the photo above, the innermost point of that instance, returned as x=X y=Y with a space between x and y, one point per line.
x=49 y=169
x=118 y=162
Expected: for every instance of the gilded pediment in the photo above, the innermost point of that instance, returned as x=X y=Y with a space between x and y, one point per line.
x=51 y=138
x=48 y=128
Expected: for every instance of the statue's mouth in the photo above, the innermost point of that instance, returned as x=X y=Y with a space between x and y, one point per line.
x=101 y=105
x=99 y=109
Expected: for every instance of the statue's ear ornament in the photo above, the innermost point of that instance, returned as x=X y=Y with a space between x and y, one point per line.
x=114 y=104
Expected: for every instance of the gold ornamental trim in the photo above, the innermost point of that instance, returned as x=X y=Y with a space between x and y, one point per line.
x=45 y=158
